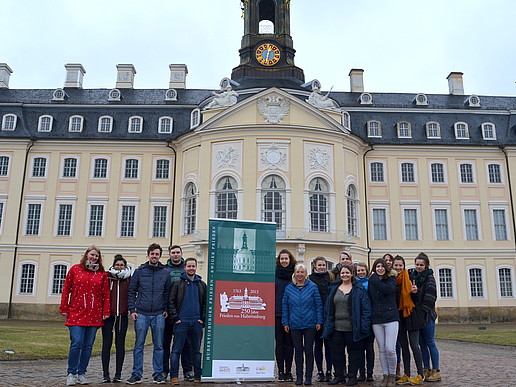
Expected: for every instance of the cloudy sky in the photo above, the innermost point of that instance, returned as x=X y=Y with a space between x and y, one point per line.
x=402 y=45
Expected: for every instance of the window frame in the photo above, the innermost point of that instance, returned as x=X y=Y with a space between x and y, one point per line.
x=138 y=169
x=500 y=207
x=152 y=214
x=401 y=163
x=122 y=204
x=219 y=190
x=72 y=124
x=3 y=207
x=92 y=203
x=28 y=203
x=385 y=208
x=483 y=130
x=453 y=282
x=353 y=220
x=500 y=170
x=57 y=220
x=371 y=174
x=99 y=125
x=498 y=282
x=130 y=125
x=40 y=123
x=169 y=171
x=473 y=173
x=379 y=129
x=465 y=208
x=160 y=125
x=443 y=207
x=33 y=159
x=190 y=209
x=272 y=200
x=108 y=164
x=411 y=207
x=456 y=130
x=34 y=280
x=51 y=278
x=408 y=129
x=63 y=167
x=195 y=118
x=14 y=122
x=444 y=172
x=320 y=216
x=484 y=295
x=428 y=129
x=8 y=167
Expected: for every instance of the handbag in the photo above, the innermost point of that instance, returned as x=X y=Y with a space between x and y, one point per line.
x=416 y=320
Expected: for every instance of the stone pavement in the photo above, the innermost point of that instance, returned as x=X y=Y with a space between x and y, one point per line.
x=462 y=364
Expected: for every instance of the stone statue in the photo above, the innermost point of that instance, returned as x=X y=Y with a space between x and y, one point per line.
x=319 y=100
x=225 y=98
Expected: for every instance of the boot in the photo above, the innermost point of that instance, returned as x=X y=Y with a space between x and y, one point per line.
x=391 y=381
x=352 y=381
x=299 y=380
x=435 y=376
x=427 y=373
x=384 y=381
x=369 y=378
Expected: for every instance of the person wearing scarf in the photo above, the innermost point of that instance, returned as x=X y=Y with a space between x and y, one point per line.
x=119 y=276
x=85 y=304
x=405 y=307
x=362 y=277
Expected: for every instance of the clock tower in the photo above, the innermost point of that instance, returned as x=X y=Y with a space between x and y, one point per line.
x=267 y=50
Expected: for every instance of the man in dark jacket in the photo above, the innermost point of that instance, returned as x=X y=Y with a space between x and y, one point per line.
x=148 y=304
x=187 y=308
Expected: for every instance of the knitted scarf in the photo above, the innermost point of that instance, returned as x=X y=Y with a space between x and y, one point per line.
x=421 y=277
x=285 y=273
x=405 y=304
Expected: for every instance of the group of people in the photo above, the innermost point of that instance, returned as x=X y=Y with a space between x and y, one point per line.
x=325 y=315
x=169 y=298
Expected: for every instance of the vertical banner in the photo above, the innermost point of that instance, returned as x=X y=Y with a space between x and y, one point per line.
x=239 y=336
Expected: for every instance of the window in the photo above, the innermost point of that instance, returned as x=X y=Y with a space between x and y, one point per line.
x=105 y=124
x=39 y=167
x=96 y=220
x=374 y=129
x=58 y=278
x=461 y=130
x=9 y=122
x=466 y=173
x=500 y=225
x=135 y=124
x=1 y=214
x=433 y=130
x=411 y=224
x=407 y=173
x=190 y=206
x=441 y=224
x=319 y=206
x=377 y=172
x=33 y=219
x=128 y=221
x=4 y=165
x=273 y=201
x=488 y=131
x=226 y=199
x=445 y=283
x=471 y=224
x=195 y=118
x=505 y=282
x=476 y=283
x=165 y=125
x=75 y=124
x=27 y=277
x=70 y=167
x=494 y=173
x=437 y=172
x=45 y=123
x=100 y=168
x=64 y=220
x=379 y=224
x=352 y=207
x=131 y=169
x=404 y=129
x=346 y=120
x=162 y=169
x=159 y=222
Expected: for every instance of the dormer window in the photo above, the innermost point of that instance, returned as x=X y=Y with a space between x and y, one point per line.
x=135 y=124
x=9 y=121
x=105 y=124
x=75 y=124
x=461 y=130
x=165 y=125
x=404 y=130
x=58 y=95
x=171 y=95
x=114 y=95
x=346 y=121
x=488 y=131
x=195 y=118
x=433 y=130
x=374 y=129
x=45 y=123
x=473 y=101
x=365 y=99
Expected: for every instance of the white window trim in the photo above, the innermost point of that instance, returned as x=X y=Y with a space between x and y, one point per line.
x=455 y=130
x=411 y=205
x=445 y=172
x=288 y=200
x=159 y=203
x=383 y=162
x=239 y=193
x=124 y=160
x=70 y=124
x=92 y=174
x=500 y=206
x=511 y=268
x=51 y=278
x=484 y=287
x=355 y=184
x=442 y=206
x=438 y=129
x=3 y=200
x=346 y=118
x=59 y=202
x=438 y=282
x=51 y=123
x=414 y=164
x=8 y=166
x=32 y=166
x=369 y=129
x=110 y=124
x=171 y=124
x=63 y=157
x=471 y=206
x=183 y=206
x=380 y=205
x=155 y=164
x=29 y=201
x=398 y=124
x=473 y=171
x=129 y=124
x=502 y=173
x=96 y=202
x=128 y=202
x=18 y=283
x=483 y=132
x=192 y=114
x=331 y=204
x=4 y=119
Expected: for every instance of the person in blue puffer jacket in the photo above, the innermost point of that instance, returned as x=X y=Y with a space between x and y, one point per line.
x=302 y=315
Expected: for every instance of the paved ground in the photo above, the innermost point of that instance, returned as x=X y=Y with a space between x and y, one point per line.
x=462 y=364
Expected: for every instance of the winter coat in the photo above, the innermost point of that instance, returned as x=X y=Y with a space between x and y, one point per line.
x=281 y=283
x=322 y=280
x=175 y=270
x=177 y=295
x=383 y=299
x=360 y=311
x=119 y=289
x=149 y=290
x=302 y=308
x=85 y=297
x=426 y=294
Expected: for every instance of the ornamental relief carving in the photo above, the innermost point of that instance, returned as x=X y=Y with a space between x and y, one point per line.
x=227 y=157
x=274 y=108
x=319 y=159
x=273 y=158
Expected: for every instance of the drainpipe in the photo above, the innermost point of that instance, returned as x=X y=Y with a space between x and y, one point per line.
x=367 y=204
x=11 y=291
x=502 y=147
x=174 y=193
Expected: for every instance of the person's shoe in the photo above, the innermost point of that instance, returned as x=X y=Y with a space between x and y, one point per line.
x=403 y=380
x=320 y=377
x=197 y=380
x=427 y=372
x=328 y=376
x=281 y=377
x=308 y=381
x=299 y=381
x=361 y=378
x=369 y=378
x=391 y=381
x=385 y=380
x=189 y=376
x=81 y=379
x=435 y=376
x=71 y=380
x=158 y=379
x=117 y=379
x=134 y=379
x=289 y=377
x=416 y=380
x=337 y=380
x=174 y=381
x=352 y=381
x=106 y=379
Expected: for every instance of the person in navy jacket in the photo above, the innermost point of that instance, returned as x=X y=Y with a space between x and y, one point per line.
x=302 y=315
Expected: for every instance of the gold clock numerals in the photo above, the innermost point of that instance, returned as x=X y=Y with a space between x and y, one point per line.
x=268 y=54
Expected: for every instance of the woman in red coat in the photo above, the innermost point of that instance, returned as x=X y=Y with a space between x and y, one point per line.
x=85 y=304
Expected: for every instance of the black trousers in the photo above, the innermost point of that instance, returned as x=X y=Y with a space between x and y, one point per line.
x=284 y=348
x=318 y=352
x=339 y=341
x=303 y=340
x=404 y=338
x=369 y=356
x=186 y=354
x=118 y=325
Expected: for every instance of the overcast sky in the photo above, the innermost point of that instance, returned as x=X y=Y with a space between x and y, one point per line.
x=402 y=45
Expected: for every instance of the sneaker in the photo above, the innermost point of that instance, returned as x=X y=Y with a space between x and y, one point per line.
x=289 y=377
x=416 y=380
x=71 y=380
x=361 y=378
x=189 y=376
x=403 y=380
x=117 y=379
x=281 y=377
x=134 y=379
x=320 y=377
x=81 y=379
x=158 y=379
x=369 y=378
x=435 y=376
x=106 y=379
x=328 y=376
x=174 y=381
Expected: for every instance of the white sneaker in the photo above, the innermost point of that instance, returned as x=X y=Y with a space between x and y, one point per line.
x=71 y=380
x=81 y=379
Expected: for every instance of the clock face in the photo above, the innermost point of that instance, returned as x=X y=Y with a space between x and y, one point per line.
x=268 y=54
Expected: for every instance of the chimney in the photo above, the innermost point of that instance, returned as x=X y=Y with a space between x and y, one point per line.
x=125 y=76
x=178 y=74
x=5 y=74
x=74 y=75
x=455 y=84
x=356 y=80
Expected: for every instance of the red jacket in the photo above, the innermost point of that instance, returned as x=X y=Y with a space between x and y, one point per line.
x=85 y=297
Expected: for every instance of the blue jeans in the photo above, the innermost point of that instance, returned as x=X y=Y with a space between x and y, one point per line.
x=427 y=344
x=81 y=342
x=141 y=326
x=182 y=331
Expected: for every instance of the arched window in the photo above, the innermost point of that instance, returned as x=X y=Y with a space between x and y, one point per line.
x=58 y=278
x=105 y=124
x=45 y=123
x=75 y=124
x=273 y=201
x=190 y=208
x=226 y=199
x=433 y=130
x=319 y=205
x=352 y=206
x=27 y=279
x=135 y=124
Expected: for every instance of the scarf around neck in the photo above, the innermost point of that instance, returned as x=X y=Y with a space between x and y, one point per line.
x=420 y=278
x=405 y=304
x=120 y=274
x=285 y=273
